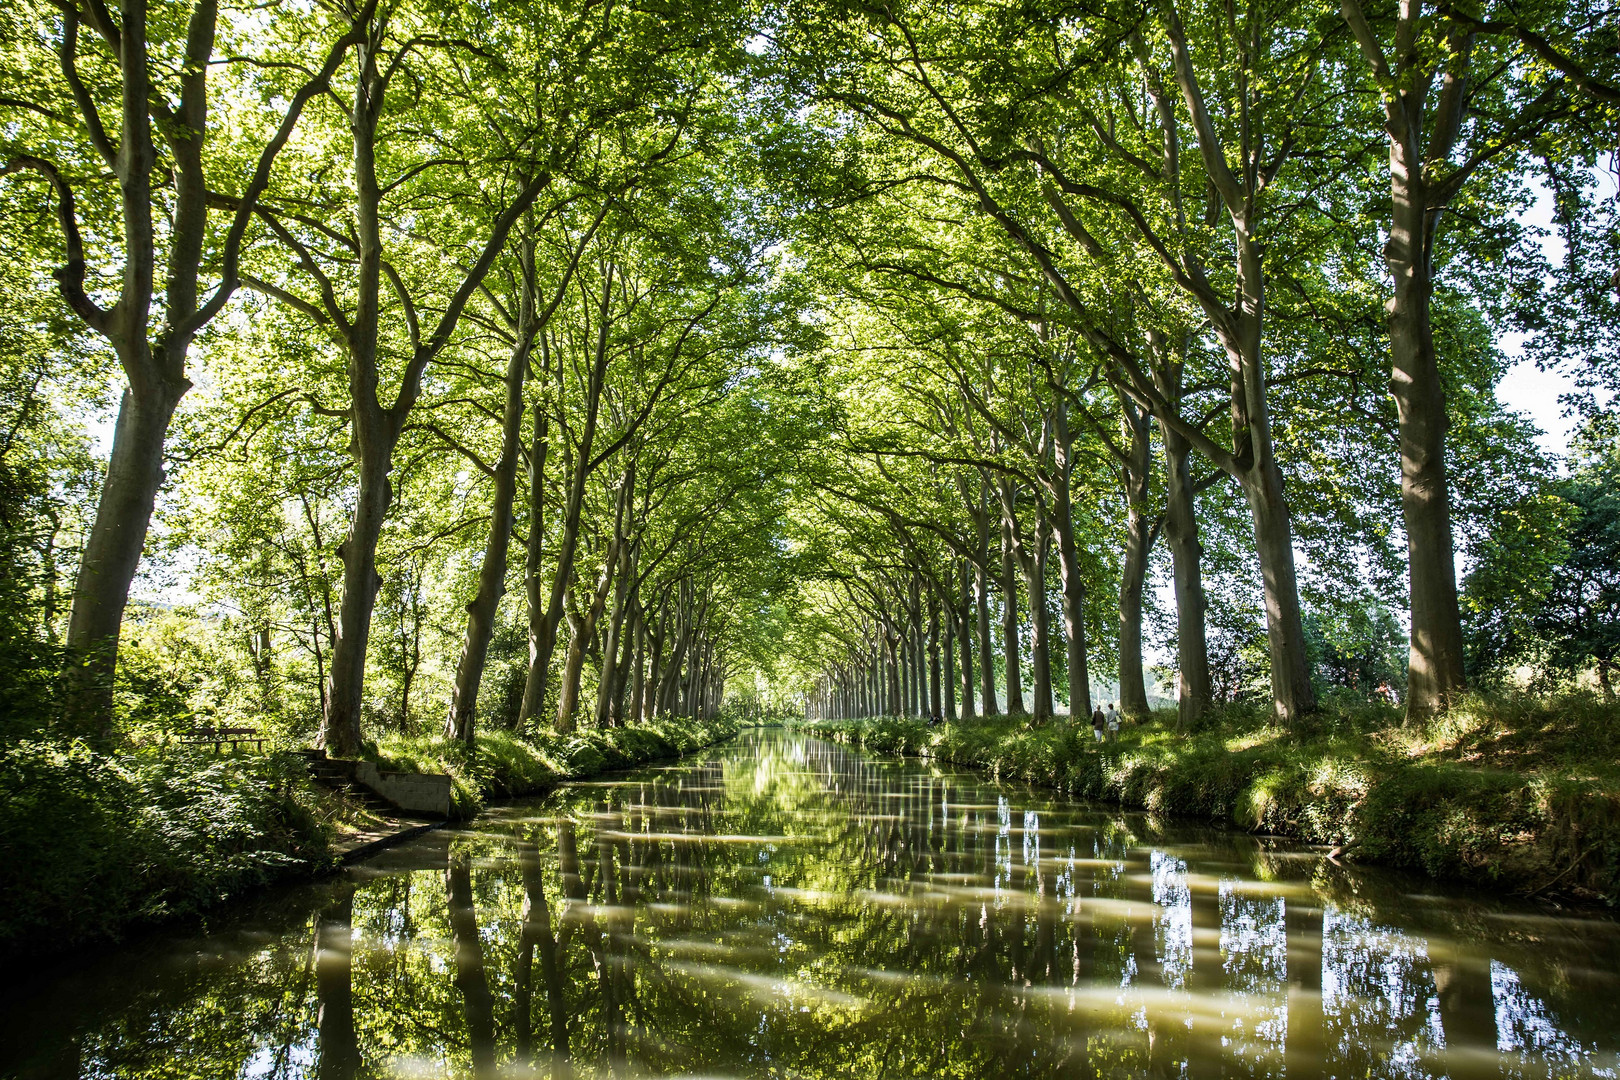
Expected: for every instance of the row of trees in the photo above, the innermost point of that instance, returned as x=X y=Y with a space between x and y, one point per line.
x=1101 y=270
x=894 y=338
x=471 y=296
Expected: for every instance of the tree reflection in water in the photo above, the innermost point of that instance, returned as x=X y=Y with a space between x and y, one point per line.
x=787 y=907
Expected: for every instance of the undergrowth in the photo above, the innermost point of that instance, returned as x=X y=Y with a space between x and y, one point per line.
x=507 y=765
x=94 y=842
x=1515 y=794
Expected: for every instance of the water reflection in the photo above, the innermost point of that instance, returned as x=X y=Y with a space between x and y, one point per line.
x=785 y=907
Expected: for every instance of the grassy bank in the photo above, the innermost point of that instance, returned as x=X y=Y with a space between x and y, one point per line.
x=95 y=844
x=507 y=766
x=1522 y=796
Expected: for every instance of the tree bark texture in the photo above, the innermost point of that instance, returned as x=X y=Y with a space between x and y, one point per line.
x=1136 y=476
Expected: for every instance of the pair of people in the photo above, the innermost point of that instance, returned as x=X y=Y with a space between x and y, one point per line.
x=1108 y=723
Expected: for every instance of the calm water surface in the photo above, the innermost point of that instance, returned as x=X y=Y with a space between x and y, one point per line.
x=787 y=907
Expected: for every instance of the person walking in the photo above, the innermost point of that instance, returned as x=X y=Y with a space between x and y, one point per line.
x=1113 y=722
x=1097 y=722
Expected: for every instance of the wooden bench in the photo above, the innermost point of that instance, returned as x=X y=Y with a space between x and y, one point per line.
x=223 y=736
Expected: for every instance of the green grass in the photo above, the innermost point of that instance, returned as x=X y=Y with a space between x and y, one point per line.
x=1516 y=794
x=506 y=765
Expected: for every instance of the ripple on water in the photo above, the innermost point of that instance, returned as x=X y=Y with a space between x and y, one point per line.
x=788 y=907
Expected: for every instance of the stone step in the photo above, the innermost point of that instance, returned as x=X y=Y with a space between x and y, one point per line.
x=420 y=793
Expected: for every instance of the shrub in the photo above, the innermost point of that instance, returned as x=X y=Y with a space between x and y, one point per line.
x=92 y=842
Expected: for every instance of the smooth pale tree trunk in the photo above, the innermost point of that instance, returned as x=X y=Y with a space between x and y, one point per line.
x=1293 y=696
x=486 y=601
x=915 y=649
x=1033 y=564
x=543 y=624
x=341 y=735
x=987 y=668
x=1239 y=329
x=534 y=594
x=613 y=643
x=638 y=670
x=1423 y=181
x=1435 y=666
x=582 y=625
x=1193 y=691
x=874 y=673
x=903 y=657
x=482 y=610
x=573 y=669
x=112 y=553
x=1030 y=558
x=935 y=706
x=1011 y=650
x=891 y=640
x=964 y=636
x=1071 y=579
x=375 y=429
x=1136 y=474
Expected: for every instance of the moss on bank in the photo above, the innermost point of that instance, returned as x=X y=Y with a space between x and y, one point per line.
x=94 y=844
x=1521 y=796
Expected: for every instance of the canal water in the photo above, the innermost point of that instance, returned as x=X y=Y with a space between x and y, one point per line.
x=787 y=907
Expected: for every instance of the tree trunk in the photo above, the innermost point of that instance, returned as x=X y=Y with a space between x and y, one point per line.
x=543 y=631
x=341 y=734
x=1240 y=330
x=1293 y=696
x=895 y=704
x=1011 y=652
x=112 y=554
x=935 y=706
x=1193 y=694
x=1032 y=561
x=477 y=1004
x=1422 y=183
x=987 y=668
x=486 y=601
x=638 y=670
x=1137 y=476
x=581 y=627
x=612 y=645
x=919 y=651
x=337 y=1053
x=537 y=936
x=1292 y=693
x=964 y=636
x=1435 y=668
x=1069 y=572
x=154 y=363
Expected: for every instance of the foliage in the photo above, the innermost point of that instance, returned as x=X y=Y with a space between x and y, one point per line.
x=96 y=843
